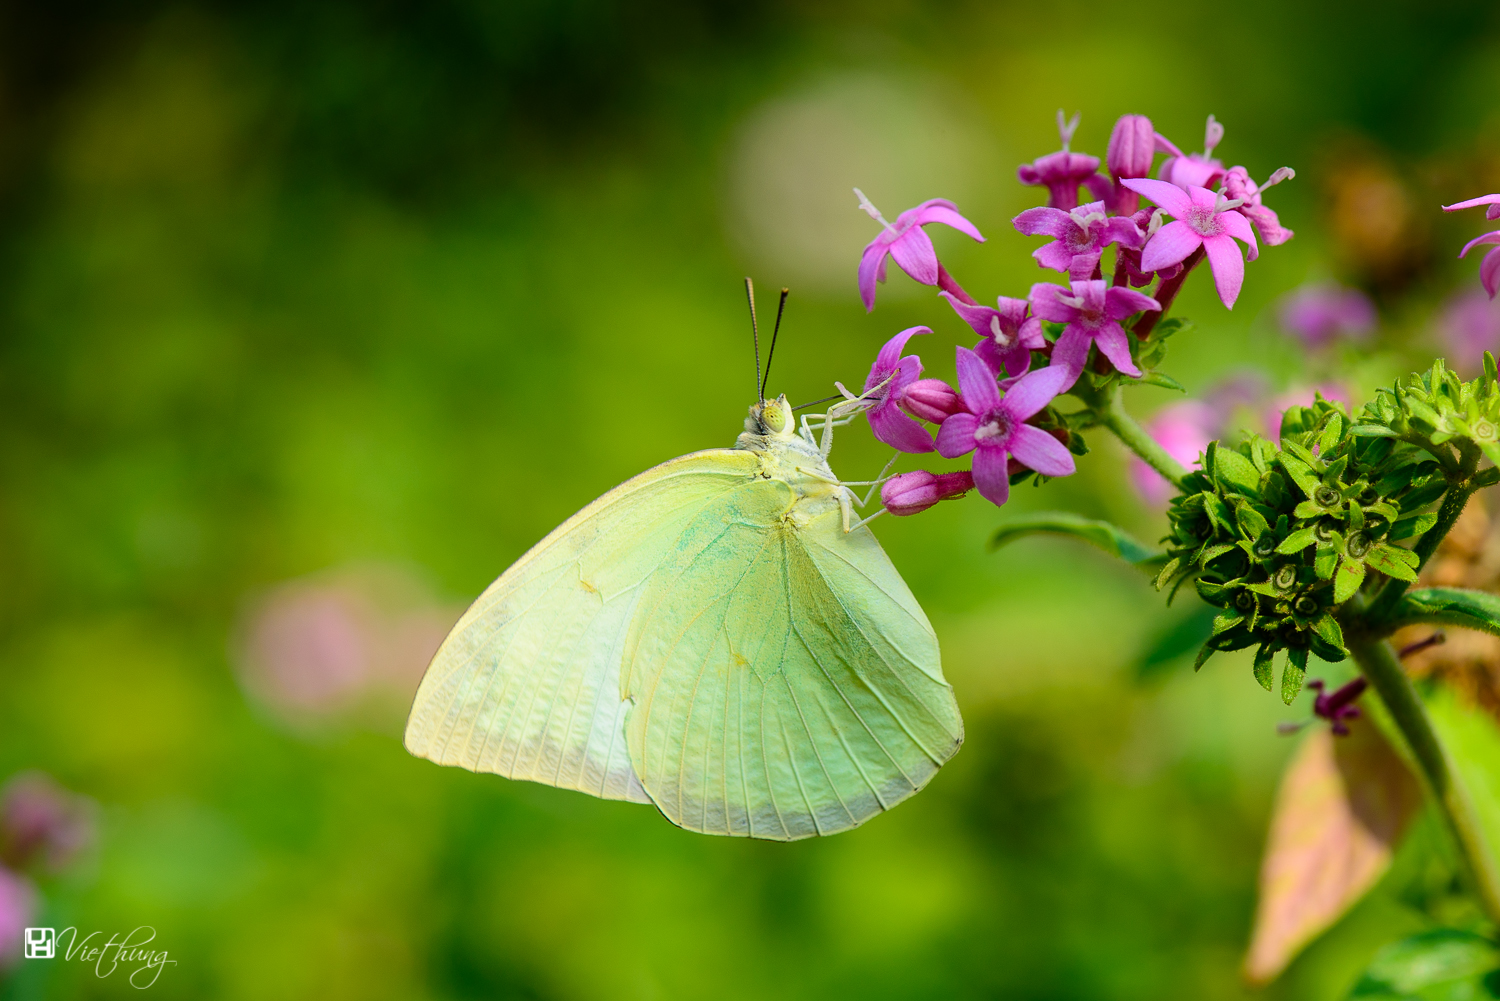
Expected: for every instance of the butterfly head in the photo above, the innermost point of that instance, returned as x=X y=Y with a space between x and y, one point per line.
x=772 y=419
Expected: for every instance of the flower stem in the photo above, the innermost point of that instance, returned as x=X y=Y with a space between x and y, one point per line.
x=1378 y=663
x=947 y=284
x=1113 y=416
x=1166 y=293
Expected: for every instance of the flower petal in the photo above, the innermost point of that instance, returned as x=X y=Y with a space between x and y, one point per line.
x=1045 y=221
x=899 y=431
x=1229 y=267
x=1036 y=449
x=1473 y=203
x=1111 y=341
x=1045 y=305
x=943 y=211
x=1080 y=267
x=956 y=436
x=1054 y=255
x=1168 y=196
x=1120 y=302
x=912 y=251
x=1480 y=241
x=869 y=271
x=990 y=474
x=989 y=353
x=976 y=383
x=1032 y=392
x=1071 y=352
x=1489 y=272
x=1171 y=244
x=1124 y=231
x=1237 y=226
x=890 y=355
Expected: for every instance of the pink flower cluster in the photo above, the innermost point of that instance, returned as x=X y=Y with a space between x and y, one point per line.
x=1489 y=268
x=1096 y=320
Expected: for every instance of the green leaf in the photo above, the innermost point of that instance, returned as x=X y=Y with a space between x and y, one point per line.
x=1265 y=666
x=1350 y=575
x=1161 y=379
x=1237 y=471
x=1487 y=477
x=1297 y=541
x=1443 y=965
x=1372 y=430
x=1253 y=524
x=1108 y=537
x=1308 y=509
x=1211 y=553
x=1413 y=526
x=1203 y=654
x=1300 y=474
x=1325 y=562
x=1168 y=571
x=1331 y=435
x=1327 y=627
x=1168 y=327
x=1387 y=560
x=1292 y=674
x=1448 y=606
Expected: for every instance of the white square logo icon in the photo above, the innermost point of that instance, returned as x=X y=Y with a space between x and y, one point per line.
x=41 y=943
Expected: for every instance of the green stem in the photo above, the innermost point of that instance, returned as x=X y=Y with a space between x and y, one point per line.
x=1113 y=416
x=1379 y=664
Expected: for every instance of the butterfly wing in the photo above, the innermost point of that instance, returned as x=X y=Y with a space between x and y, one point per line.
x=527 y=685
x=784 y=680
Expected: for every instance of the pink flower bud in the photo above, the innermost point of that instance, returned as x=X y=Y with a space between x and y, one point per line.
x=931 y=400
x=1131 y=146
x=911 y=493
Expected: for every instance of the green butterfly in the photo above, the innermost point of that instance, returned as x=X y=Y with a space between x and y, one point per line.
x=713 y=637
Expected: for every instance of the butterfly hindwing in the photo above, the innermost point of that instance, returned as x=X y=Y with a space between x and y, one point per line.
x=527 y=684
x=784 y=681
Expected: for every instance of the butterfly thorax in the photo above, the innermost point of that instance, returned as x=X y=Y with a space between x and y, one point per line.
x=783 y=454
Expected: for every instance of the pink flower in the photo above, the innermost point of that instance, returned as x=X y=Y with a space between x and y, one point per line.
x=1200 y=219
x=886 y=419
x=1009 y=334
x=931 y=400
x=1184 y=429
x=1199 y=169
x=1128 y=259
x=994 y=427
x=1132 y=145
x=907 y=243
x=1238 y=186
x=17 y=907
x=1079 y=237
x=1338 y=705
x=1062 y=172
x=41 y=822
x=912 y=493
x=1322 y=312
x=1092 y=311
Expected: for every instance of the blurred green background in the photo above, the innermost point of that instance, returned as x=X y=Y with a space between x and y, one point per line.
x=367 y=297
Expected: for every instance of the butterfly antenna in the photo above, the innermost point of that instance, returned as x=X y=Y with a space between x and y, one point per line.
x=755 y=334
x=780 y=308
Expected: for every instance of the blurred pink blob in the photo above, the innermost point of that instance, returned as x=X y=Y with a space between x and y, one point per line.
x=1300 y=396
x=1468 y=326
x=1320 y=313
x=42 y=823
x=1184 y=430
x=316 y=648
x=17 y=908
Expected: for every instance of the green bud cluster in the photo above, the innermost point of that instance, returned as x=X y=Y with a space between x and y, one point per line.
x=1280 y=537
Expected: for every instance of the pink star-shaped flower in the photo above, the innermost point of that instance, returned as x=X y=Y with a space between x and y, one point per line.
x=1079 y=237
x=907 y=243
x=1239 y=186
x=1200 y=219
x=1092 y=311
x=1010 y=335
x=887 y=421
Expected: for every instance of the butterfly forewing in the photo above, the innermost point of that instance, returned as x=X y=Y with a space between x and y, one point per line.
x=527 y=685
x=784 y=681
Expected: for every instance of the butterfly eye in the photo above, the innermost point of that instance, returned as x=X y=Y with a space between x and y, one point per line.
x=774 y=416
